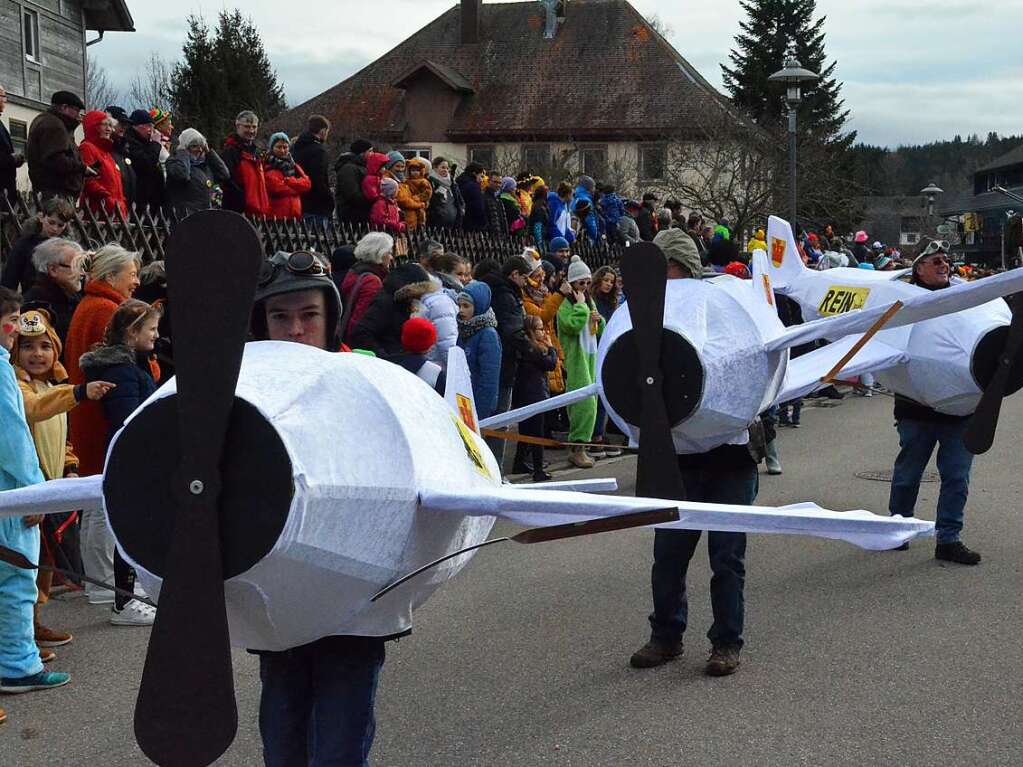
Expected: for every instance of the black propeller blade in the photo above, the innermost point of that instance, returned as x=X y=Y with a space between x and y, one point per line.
x=644 y=272
x=186 y=714
x=980 y=432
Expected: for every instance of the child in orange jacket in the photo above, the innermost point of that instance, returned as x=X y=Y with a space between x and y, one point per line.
x=414 y=193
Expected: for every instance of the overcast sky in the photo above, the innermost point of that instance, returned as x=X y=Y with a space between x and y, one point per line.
x=914 y=70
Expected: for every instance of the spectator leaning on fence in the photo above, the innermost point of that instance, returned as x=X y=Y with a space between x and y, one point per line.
x=10 y=160
x=54 y=165
x=246 y=191
x=352 y=205
x=374 y=255
x=143 y=150
x=286 y=182
x=102 y=193
x=195 y=175
x=51 y=221
x=311 y=155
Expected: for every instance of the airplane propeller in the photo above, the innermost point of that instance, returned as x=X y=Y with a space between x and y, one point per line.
x=644 y=273
x=980 y=432
x=186 y=713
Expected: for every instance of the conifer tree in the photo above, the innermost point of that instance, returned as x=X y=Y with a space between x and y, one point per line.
x=773 y=30
x=224 y=71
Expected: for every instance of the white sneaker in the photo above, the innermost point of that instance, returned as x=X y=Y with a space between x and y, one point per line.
x=135 y=613
x=100 y=597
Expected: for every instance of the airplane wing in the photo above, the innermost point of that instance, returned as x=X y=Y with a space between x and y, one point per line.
x=924 y=306
x=543 y=406
x=544 y=508
x=608 y=485
x=804 y=373
x=54 y=497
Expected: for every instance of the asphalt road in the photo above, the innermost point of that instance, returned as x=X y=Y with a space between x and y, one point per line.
x=852 y=657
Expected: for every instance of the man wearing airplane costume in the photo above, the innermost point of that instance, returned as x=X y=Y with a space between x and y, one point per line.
x=290 y=486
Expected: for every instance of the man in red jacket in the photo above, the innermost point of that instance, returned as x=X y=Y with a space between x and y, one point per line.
x=246 y=191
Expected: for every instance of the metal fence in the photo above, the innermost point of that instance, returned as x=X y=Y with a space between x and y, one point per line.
x=147 y=233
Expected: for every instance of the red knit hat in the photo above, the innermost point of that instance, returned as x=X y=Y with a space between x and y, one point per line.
x=418 y=335
x=738 y=269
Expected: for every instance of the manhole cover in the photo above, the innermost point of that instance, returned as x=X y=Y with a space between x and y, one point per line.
x=886 y=476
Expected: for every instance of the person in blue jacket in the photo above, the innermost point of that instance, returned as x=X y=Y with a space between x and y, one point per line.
x=560 y=221
x=477 y=335
x=585 y=207
x=122 y=358
x=21 y=669
x=611 y=207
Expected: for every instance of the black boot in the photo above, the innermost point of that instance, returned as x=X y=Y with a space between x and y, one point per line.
x=956 y=552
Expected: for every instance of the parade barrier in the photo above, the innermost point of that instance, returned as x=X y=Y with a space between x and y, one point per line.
x=146 y=232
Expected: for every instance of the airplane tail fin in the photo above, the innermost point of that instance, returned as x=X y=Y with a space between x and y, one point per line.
x=784 y=262
x=761 y=271
x=458 y=392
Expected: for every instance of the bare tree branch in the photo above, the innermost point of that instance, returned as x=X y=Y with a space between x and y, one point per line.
x=151 y=85
x=99 y=91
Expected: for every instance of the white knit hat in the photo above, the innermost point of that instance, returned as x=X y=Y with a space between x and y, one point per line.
x=190 y=136
x=533 y=258
x=577 y=269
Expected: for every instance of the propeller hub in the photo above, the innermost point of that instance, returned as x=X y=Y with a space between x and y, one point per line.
x=144 y=489
x=682 y=377
x=989 y=354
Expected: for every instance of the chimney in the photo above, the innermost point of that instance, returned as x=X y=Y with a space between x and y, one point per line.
x=471 y=21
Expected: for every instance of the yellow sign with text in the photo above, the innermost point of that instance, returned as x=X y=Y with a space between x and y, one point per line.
x=841 y=299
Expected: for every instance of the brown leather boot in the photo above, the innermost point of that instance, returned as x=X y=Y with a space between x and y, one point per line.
x=577 y=457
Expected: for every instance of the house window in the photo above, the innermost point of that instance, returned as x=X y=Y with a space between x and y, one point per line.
x=19 y=135
x=593 y=161
x=30 y=35
x=410 y=154
x=484 y=155
x=536 y=158
x=651 y=162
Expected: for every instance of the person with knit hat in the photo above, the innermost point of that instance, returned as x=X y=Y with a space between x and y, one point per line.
x=539 y=300
x=286 y=182
x=418 y=337
x=385 y=212
x=414 y=193
x=102 y=191
x=759 y=241
x=584 y=206
x=246 y=191
x=726 y=474
x=48 y=398
x=512 y=212
x=21 y=668
x=478 y=338
x=579 y=325
x=196 y=175
x=350 y=169
x=162 y=124
x=395 y=165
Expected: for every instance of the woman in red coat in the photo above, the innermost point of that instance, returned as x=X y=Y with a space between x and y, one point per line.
x=286 y=182
x=113 y=277
x=103 y=190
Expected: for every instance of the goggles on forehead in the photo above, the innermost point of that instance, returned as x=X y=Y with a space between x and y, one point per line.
x=935 y=246
x=299 y=262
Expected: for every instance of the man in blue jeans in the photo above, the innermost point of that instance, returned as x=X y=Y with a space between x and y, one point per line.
x=316 y=707
x=726 y=474
x=920 y=429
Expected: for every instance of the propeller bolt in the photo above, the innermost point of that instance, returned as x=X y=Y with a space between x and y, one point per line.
x=195 y=487
x=650 y=381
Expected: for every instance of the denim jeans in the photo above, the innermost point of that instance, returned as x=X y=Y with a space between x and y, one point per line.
x=673 y=549
x=316 y=221
x=601 y=425
x=316 y=708
x=916 y=442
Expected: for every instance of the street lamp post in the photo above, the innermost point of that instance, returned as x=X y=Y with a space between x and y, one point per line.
x=793 y=76
x=931 y=192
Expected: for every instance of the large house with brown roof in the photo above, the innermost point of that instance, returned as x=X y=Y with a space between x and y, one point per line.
x=556 y=86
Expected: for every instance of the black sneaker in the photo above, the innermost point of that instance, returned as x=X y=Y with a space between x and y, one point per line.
x=521 y=467
x=723 y=661
x=542 y=476
x=956 y=552
x=656 y=652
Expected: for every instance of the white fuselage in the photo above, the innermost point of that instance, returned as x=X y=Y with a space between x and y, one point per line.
x=727 y=323
x=938 y=373
x=365 y=437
